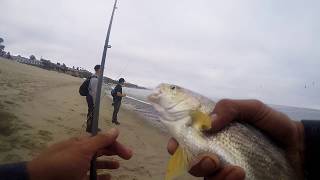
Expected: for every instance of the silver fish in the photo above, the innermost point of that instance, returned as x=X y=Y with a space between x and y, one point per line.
x=185 y=114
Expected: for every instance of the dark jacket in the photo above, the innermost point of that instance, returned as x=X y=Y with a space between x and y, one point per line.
x=117 y=89
x=312 y=149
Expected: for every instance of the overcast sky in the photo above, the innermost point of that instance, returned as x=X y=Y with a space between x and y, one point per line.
x=268 y=50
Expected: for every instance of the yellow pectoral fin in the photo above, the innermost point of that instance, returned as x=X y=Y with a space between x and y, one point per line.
x=200 y=120
x=178 y=164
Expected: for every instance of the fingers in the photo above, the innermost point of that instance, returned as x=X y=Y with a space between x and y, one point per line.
x=224 y=112
x=172 y=146
x=121 y=150
x=207 y=165
x=116 y=149
x=228 y=173
x=254 y=112
x=102 y=140
x=107 y=164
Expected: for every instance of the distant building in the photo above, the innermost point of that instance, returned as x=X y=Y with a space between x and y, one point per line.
x=47 y=64
x=25 y=60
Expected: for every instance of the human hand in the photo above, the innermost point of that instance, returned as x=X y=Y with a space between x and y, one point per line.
x=289 y=134
x=70 y=159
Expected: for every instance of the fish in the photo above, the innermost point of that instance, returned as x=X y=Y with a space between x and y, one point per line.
x=186 y=116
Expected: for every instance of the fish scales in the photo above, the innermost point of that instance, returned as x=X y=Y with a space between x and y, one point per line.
x=252 y=151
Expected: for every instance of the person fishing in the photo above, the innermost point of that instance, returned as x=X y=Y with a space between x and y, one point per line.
x=117 y=97
x=69 y=159
x=89 y=89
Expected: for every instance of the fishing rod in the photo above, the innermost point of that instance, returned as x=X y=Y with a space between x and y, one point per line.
x=94 y=124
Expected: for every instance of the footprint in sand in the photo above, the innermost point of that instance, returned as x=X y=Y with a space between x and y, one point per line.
x=140 y=170
x=124 y=177
x=26 y=115
x=71 y=131
x=9 y=102
x=44 y=133
x=29 y=144
x=50 y=121
x=142 y=142
x=26 y=126
x=7 y=123
x=60 y=125
x=12 y=158
x=5 y=147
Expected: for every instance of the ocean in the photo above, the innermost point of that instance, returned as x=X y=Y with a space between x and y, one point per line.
x=137 y=100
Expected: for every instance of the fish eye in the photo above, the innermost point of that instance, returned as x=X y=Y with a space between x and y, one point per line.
x=173 y=87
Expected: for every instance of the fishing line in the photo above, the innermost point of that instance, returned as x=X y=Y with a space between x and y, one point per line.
x=123 y=69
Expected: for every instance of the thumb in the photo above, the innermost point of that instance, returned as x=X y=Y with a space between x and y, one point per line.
x=224 y=112
x=103 y=140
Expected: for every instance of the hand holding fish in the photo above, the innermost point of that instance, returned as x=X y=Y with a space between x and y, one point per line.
x=287 y=133
x=209 y=166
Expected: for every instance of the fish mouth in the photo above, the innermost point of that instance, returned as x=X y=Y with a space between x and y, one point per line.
x=166 y=114
x=154 y=97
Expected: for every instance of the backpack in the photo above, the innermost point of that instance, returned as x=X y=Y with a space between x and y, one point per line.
x=113 y=93
x=84 y=88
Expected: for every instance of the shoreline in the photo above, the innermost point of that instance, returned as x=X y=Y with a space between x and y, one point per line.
x=40 y=107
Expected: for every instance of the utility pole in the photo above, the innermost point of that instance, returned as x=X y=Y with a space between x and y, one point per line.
x=94 y=126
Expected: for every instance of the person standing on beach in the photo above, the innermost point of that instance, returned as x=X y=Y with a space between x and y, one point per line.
x=91 y=96
x=117 y=100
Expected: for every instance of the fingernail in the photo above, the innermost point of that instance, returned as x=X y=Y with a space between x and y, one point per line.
x=208 y=164
x=214 y=118
x=237 y=173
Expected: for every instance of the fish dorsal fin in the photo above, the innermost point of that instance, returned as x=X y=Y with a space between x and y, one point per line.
x=200 y=120
x=178 y=164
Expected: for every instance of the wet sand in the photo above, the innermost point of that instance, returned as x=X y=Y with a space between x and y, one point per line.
x=40 y=107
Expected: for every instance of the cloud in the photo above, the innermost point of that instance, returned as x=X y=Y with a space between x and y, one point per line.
x=248 y=49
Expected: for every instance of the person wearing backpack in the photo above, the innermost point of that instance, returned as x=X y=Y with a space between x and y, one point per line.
x=89 y=89
x=117 y=97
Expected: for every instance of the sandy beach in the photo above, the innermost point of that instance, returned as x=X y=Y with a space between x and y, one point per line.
x=40 y=107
